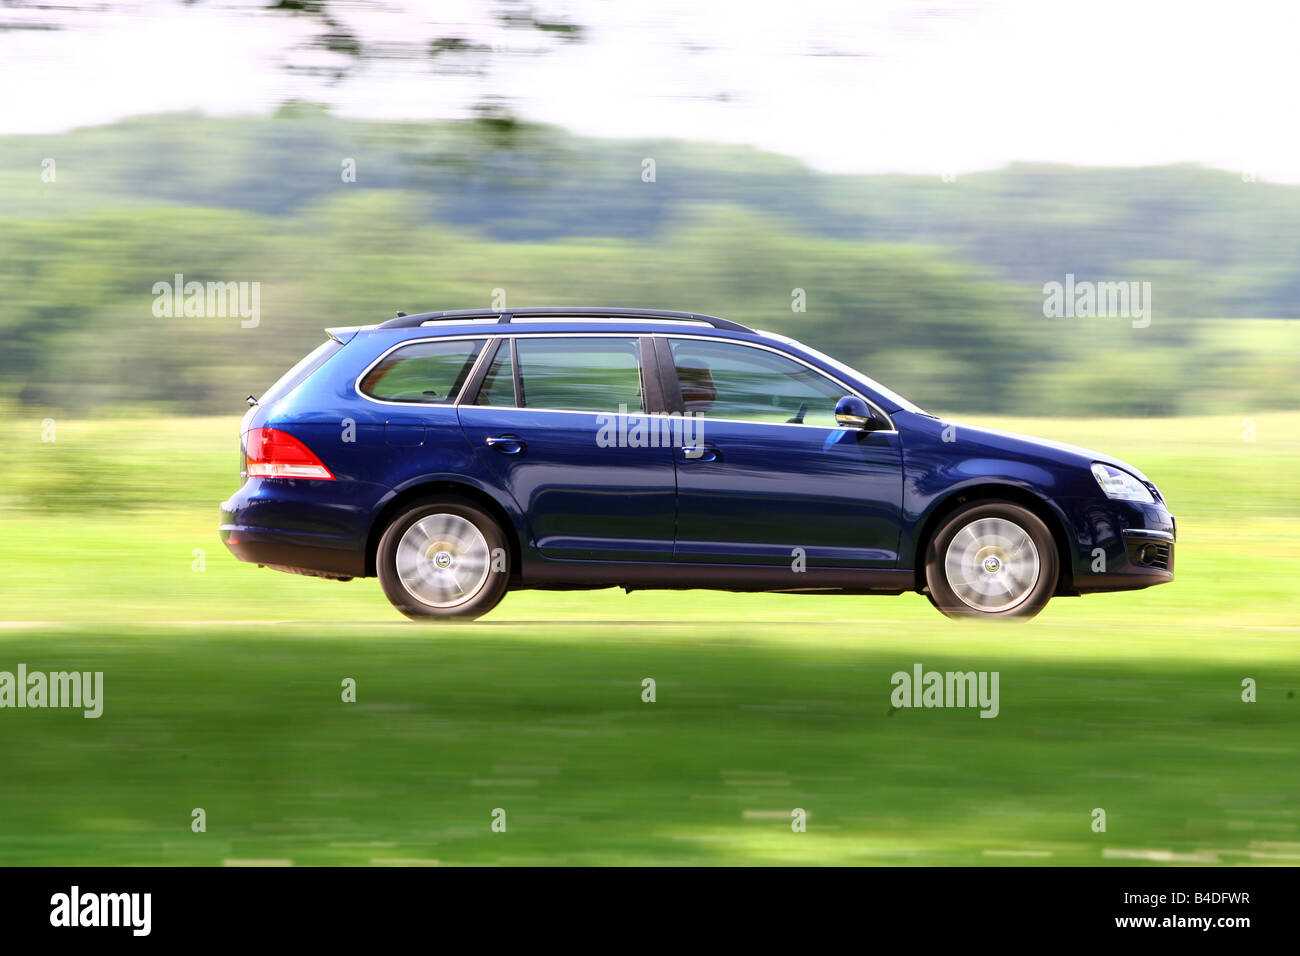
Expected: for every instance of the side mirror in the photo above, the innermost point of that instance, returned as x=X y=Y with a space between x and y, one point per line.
x=853 y=412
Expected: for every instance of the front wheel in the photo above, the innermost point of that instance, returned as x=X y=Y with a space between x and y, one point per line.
x=991 y=559
x=443 y=559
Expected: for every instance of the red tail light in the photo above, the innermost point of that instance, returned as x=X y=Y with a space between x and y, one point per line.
x=276 y=454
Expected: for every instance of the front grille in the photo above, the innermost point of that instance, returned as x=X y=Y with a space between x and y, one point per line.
x=1151 y=554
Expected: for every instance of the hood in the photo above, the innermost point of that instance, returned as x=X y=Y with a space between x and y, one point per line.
x=1027 y=446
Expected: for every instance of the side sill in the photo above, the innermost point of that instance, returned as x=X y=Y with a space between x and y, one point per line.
x=712 y=577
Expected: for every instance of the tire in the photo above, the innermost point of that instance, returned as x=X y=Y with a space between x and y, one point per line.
x=443 y=559
x=991 y=559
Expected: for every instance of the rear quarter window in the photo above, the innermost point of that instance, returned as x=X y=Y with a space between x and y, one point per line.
x=431 y=373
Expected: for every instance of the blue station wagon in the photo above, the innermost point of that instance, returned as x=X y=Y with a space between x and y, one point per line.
x=459 y=455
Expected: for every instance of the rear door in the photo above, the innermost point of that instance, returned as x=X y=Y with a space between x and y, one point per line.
x=768 y=477
x=564 y=422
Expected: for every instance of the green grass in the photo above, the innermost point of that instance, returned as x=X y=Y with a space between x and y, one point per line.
x=222 y=691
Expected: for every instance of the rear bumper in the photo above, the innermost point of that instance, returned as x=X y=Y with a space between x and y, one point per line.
x=300 y=526
x=287 y=554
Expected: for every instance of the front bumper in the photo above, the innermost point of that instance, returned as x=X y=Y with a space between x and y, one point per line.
x=1119 y=545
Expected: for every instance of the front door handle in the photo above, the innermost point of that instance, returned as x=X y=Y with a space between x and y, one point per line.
x=507 y=444
x=704 y=451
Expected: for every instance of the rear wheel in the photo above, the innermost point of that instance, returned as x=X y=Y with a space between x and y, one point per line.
x=443 y=559
x=991 y=559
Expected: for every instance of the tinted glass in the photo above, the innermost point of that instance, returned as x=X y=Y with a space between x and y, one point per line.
x=298 y=374
x=574 y=373
x=498 y=386
x=428 y=372
x=721 y=380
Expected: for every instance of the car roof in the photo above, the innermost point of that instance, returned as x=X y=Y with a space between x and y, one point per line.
x=463 y=322
x=581 y=315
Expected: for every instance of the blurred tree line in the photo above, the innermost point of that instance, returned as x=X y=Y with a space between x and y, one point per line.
x=932 y=287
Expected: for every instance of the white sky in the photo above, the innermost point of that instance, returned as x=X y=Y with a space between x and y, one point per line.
x=948 y=86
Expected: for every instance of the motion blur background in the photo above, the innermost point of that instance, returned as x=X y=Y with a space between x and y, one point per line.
x=918 y=189
x=893 y=183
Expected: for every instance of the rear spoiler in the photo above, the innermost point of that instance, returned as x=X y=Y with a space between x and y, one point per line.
x=343 y=334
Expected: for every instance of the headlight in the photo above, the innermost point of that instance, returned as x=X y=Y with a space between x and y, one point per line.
x=1120 y=484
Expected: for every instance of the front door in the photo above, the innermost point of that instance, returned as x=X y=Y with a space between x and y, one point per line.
x=769 y=478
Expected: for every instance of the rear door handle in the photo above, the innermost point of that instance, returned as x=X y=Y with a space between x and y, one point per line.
x=507 y=444
x=704 y=451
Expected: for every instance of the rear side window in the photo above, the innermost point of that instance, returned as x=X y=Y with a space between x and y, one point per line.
x=573 y=373
x=431 y=373
x=498 y=386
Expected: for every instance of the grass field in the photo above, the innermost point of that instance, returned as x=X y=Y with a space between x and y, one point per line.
x=222 y=691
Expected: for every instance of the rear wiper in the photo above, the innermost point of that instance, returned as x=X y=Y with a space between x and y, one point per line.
x=251 y=399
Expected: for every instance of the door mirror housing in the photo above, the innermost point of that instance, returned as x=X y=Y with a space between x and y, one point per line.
x=852 y=412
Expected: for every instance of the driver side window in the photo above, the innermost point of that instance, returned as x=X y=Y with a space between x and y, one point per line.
x=726 y=380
